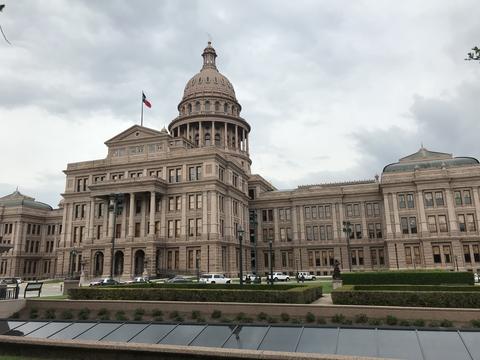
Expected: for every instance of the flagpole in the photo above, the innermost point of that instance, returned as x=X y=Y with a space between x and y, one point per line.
x=141 y=119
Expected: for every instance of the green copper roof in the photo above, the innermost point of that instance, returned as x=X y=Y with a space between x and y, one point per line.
x=18 y=199
x=426 y=159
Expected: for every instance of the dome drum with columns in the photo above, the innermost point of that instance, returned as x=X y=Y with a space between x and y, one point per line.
x=209 y=113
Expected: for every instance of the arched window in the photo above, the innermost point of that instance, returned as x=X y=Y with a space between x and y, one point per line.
x=217 y=139
x=197 y=138
x=189 y=109
x=225 y=108
x=197 y=106
x=207 y=139
x=183 y=110
x=233 y=141
x=118 y=266
x=207 y=105
x=139 y=265
x=98 y=263
x=234 y=110
x=217 y=106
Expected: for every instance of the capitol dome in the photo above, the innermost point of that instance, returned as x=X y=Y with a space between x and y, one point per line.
x=209 y=81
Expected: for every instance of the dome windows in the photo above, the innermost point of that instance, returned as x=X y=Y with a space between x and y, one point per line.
x=217 y=106
x=197 y=106
x=207 y=139
x=207 y=105
x=225 y=108
x=189 y=109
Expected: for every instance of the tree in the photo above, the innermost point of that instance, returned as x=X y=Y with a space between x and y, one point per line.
x=474 y=54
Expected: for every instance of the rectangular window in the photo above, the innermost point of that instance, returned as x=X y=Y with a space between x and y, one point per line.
x=437 y=259
x=314 y=212
x=323 y=234
x=428 y=198
x=99 y=231
x=191 y=202
x=404 y=225
x=442 y=223
x=410 y=201
x=281 y=214
x=199 y=201
x=309 y=233
x=413 y=224
x=369 y=209
x=471 y=222
x=447 y=254
x=358 y=231
x=461 y=223
x=315 y=233
x=458 y=197
x=178 y=202
x=329 y=232
x=191 y=227
x=221 y=173
x=401 y=201
x=310 y=258
x=466 y=254
x=118 y=230
x=307 y=213
x=283 y=234
x=199 y=227
x=356 y=210
x=177 y=228
x=349 y=209
x=137 y=229
x=371 y=231
x=328 y=211
x=432 y=224
x=171 y=230
x=476 y=253
x=289 y=234
x=439 y=198
x=321 y=212
x=378 y=229
x=467 y=197
x=171 y=203
x=408 y=255
x=288 y=215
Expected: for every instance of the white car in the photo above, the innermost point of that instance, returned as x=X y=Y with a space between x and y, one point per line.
x=306 y=276
x=214 y=279
x=279 y=276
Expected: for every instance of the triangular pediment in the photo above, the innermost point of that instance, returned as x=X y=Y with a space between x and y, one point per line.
x=135 y=133
x=425 y=154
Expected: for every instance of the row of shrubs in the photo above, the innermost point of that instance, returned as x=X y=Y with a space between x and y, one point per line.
x=276 y=294
x=216 y=315
x=408 y=277
x=415 y=287
x=447 y=299
x=195 y=285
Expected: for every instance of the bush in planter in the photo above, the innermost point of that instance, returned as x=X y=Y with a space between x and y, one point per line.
x=216 y=314
x=419 y=323
x=361 y=319
x=374 y=322
x=446 y=323
x=174 y=314
x=83 y=314
x=404 y=323
x=262 y=316
x=157 y=315
x=310 y=318
x=33 y=313
x=475 y=323
x=103 y=314
x=120 y=316
x=50 y=314
x=391 y=320
x=66 y=315
x=195 y=314
x=284 y=317
x=138 y=314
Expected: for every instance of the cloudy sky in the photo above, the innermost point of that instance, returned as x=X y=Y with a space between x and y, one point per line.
x=334 y=90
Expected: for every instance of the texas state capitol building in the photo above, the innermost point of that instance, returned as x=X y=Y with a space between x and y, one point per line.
x=185 y=193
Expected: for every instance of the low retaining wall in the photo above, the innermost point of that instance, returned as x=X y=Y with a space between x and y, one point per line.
x=458 y=316
x=75 y=349
x=9 y=307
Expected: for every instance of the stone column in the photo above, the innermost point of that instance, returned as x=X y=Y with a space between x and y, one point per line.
x=302 y=223
x=163 y=216
x=131 y=219
x=247 y=142
x=225 y=137
x=183 y=226
x=293 y=210
x=236 y=137
x=476 y=200
x=205 y=215
x=105 y=219
x=200 y=134
x=364 y=227
x=91 y=230
x=188 y=131
x=243 y=139
x=111 y=230
x=452 y=218
x=423 y=217
x=396 y=217
x=228 y=217
x=342 y=218
x=213 y=213
x=388 y=219
x=212 y=137
x=151 y=229
x=124 y=220
x=334 y=222
x=276 y=228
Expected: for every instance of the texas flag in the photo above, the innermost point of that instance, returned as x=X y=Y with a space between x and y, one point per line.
x=145 y=101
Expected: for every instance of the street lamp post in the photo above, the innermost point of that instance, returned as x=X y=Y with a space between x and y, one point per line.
x=347 y=230
x=240 y=232
x=270 y=261
x=115 y=207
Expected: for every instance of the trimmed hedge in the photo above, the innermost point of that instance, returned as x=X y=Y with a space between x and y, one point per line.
x=206 y=286
x=293 y=295
x=408 y=277
x=448 y=299
x=467 y=288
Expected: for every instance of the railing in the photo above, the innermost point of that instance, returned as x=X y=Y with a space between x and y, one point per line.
x=9 y=292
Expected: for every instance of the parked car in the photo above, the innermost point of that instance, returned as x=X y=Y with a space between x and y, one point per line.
x=179 y=279
x=279 y=276
x=10 y=281
x=139 y=279
x=475 y=277
x=306 y=276
x=104 y=282
x=214 y=279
